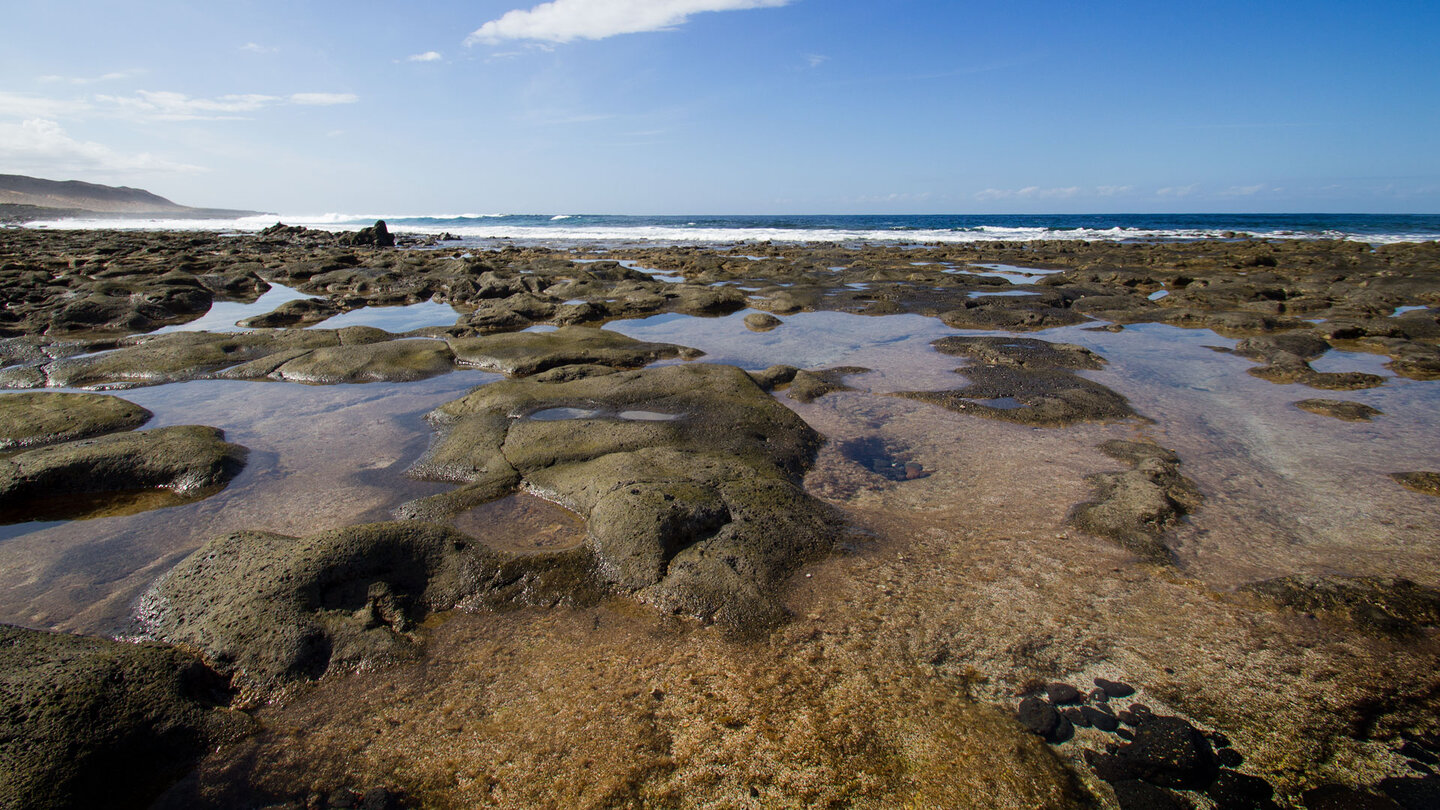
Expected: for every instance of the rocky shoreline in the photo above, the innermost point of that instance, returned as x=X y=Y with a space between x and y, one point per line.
x=730 y=515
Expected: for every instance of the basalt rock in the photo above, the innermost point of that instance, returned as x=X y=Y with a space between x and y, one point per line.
x=1427 y=483
x=302 y=312
x=689 y=477
x=525 y=353
x=89 y=722
x=1387 y=605
x=391 y=361
x=182 y=356
x=1340 y=409
x=1049 y=398
x=274 y=609
x=377 y=235
x=41 y=418
x=187 y=460
x=1136 y=507
x=808 y=386
x=761 y=322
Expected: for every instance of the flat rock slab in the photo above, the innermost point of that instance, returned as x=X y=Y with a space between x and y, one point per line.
x=524 y=353
x=180 y=356
x=392 y=361
x=1136 y=507
x=271 y=608
x=1340 y=409
x=1427 y=483
x=185 y=459
x=89 y=722
x=1044 y=398
x=1388 y=605
x=36 y=419
x=689 y=478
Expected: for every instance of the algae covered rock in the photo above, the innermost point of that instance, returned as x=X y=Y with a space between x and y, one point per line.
x=277 y=608
x=1340 y=409
x=526 y=353
x=1136 y=507
x=1026 y=381
x=89 y=722
x=391 y=361
x=688 y=475
x=188 y=460
x=1425 y=482
x=1389 y=605
x=40 y=418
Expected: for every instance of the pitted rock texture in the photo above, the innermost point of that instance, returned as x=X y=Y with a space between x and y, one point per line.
x=273 y=609
x=41 y=418
x=1135 y=508
x=689 y=477
x=89 y=722
x=186 y=459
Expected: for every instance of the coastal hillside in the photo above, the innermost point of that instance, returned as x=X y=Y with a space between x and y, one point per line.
x=24 y=198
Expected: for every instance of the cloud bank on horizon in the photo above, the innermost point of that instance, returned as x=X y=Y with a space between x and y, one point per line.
x=564 y=21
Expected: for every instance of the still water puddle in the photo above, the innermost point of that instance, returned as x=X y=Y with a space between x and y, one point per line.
x=223 y=315
x=521 y=523
x=321 y=457
x=395 y=319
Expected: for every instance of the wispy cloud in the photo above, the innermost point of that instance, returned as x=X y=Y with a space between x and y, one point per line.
x=322 y=99
x=1178 y=191
x=815 y=60
x=1112 y=191
x=24 y=105
x=39 y=145
x=1029 y=193
x=257 y=48
x=428 y=56
x=169 y=106
x=1243 y=191
x=112 y=76
x=569 y=20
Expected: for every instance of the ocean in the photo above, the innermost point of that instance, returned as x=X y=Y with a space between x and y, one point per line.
x=561 y=230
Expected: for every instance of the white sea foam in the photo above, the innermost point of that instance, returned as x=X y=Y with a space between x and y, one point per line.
x=572 y=229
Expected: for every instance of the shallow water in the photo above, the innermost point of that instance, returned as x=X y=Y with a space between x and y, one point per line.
x=223 y=315
x=967 y=581
x=321 y=457
x=397 y=319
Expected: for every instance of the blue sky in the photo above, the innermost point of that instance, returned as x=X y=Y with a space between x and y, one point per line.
x=732 y=106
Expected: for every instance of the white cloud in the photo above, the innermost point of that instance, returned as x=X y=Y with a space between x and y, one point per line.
x=169 y=106
x=42 y=146
x=428 y=56
x=107 y=77
x=1113 y=191
x=323 y=99
x=1178 y=191
x=815 y=60
x=20 y=105
x=1029 y=193
x=569 y=20
x=255 y=47
x=1243 y=191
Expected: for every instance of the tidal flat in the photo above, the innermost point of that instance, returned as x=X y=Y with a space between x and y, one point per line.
x=1031 y=524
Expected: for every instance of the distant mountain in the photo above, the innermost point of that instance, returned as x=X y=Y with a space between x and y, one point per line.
x=23 y=198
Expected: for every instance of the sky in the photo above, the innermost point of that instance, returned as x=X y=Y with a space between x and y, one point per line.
x=732 y=106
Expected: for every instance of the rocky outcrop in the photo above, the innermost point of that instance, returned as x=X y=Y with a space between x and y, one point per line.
x=689 y=477
x=1136 y=507
x=273 y=609
x=1026 y=381
x=1389 y=605
x=37 y=419
x=89 y=722
x=188 y=460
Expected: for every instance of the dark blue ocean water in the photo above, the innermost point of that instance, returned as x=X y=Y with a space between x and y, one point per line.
x=925 y=228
